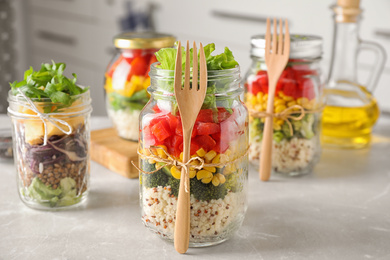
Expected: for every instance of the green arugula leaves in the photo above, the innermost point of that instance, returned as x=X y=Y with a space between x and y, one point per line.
x=49 y=82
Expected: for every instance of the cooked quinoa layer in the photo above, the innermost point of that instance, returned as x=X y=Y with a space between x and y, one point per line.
x=208 y=218
x=288 y=156
x=126 y=122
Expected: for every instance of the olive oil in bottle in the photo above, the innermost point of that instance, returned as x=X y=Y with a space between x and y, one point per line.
x=349 y=126
x=351 y=110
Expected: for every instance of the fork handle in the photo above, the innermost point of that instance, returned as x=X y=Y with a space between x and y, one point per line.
x=182 y=225
x=266 y=148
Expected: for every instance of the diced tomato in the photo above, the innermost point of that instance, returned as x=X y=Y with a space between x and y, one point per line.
x=207 y=128
x=290 y=87
x=216 y=136
x=254 y=87
x=176 y=141
x=179 y=129
x=205 y=141
x=205 y=115
x=221 y=147
x=194 y=147
x=172 y=121
x=148 y=137
x=223 y=114
x=156 y=109
x=138 y=67
x=161 y=130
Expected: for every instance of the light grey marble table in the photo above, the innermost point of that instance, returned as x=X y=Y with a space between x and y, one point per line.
x=340 y=211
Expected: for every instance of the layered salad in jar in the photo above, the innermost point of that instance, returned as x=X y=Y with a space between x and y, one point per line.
x=296 y=117
x=50 y=116
x=126 y=81
x=219 y=140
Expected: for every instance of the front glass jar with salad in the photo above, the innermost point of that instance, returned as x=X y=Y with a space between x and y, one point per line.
x=50 y=119
x=127 y=78
x=297 y=105
x=219 y=144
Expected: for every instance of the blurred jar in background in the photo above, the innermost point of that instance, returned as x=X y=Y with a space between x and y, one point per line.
x=126 y=78
x=297 y=106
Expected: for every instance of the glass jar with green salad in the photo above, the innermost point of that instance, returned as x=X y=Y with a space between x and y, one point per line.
x=127 y=79
x=297 y=105
x=50 y=118
x=219 y=144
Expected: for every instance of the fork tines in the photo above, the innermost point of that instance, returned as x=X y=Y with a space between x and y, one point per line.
x=278 y=45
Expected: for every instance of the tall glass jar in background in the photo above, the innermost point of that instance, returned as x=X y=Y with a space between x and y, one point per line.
x=53 y=172
x=127 y=79
x=297 y=105
x=218 y=194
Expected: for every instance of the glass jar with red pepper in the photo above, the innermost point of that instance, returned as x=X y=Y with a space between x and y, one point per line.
x=297 y=105
x=219 y=144
x=127 y=79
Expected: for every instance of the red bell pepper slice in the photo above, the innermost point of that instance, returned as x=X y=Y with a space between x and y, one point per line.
x=194 y=147
x=138 y=67
x=223 y=114
x=179 y=129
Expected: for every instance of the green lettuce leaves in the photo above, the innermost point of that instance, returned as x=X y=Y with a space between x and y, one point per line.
x=48 y=82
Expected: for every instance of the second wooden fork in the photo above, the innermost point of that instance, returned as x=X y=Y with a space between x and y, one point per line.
x=276 y=59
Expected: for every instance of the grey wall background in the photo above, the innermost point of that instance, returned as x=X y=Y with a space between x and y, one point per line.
x=88 y=26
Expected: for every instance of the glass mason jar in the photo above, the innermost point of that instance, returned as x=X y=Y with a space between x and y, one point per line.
x=297 y=105
x=126 y=78
x=220 y=136
x=51 y=150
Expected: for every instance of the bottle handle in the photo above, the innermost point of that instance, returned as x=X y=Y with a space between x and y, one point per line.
x=379 y=63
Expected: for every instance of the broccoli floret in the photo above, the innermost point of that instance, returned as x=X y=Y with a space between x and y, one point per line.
x=307 y=126
x=152 y=180
x=199 y=190
x=207 y=191
x=278 y=136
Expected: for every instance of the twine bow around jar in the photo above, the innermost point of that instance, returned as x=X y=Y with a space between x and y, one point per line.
x=286 y=115
x=171 y=161
x=43 y=116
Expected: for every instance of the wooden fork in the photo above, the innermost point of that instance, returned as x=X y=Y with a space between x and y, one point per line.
x=276 y=60
x=189 y=101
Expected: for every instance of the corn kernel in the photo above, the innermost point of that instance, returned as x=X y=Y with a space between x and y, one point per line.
x=280 y=122
x=291 y=103
x=181 y=156
x=206 y=180
x=161 y=153
x=203 y=174
x=176 y=173
x=279 y=102
x=280 y=108
x=265 y=106
x=307 y=106
x=215 y=181
x=277 y=127
x=259 y=96
x=302 y=101
x=210 y=169
x=192 y=173
x=258 y=107
x=217 y=158
x=221 y=178
x=201 y=152
x=262 y=119
x=228 y=152
x=265 y=97
x=151 y=161
x=146 y=152
x=253 y=100
x=281 y=94
x=288 y=98
x=210 y=155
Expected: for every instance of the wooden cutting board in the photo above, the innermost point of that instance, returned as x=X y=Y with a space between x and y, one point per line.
x=113 y=152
